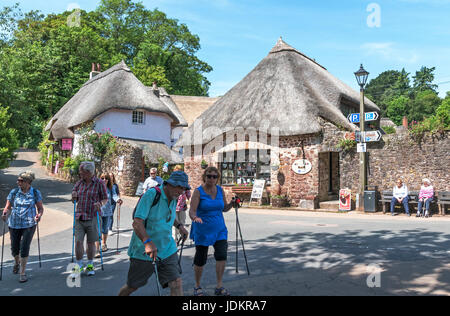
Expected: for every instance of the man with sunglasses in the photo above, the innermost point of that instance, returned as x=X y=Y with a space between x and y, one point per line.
x=152 y=237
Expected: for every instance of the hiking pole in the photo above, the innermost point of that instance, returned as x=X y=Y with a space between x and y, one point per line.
x=238 y=228
x=39 y=246
x=100 y=241
x=157 y=277
x=73 y=231
x=3 y=246
x=181 y=253
x=118 y=228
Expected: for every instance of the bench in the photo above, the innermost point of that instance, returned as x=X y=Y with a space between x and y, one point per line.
x=443 y=200
x=386 y=197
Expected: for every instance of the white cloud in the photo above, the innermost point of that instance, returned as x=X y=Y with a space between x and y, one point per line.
x=390 y=51
x=72 y=6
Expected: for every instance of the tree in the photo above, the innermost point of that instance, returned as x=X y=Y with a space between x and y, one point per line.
x=379 y=90
x=8 y=139
x=397 y=109
x=424 y=105
x=423 y=80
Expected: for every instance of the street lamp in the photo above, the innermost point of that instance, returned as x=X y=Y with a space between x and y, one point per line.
x=361 y=77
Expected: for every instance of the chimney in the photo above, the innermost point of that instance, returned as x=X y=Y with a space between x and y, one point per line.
x=95 y=70
x=155 y=89
x=405 y=122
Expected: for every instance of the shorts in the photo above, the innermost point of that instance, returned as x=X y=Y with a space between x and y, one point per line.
x=140 y=271
x=220 y=253
x=88 y=228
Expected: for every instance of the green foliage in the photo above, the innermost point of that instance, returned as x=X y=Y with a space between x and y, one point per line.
x=346 y=144
x=99 y=145
x=44 y=61
x=397 y=109
x=8 y=139
x=388 y=129
x=424 y=105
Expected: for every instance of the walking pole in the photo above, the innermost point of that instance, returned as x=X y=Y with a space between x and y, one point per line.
x=157 y=277
x=39 y=246
x=118 y=228
x=73 y=231
x=181 y=253
x=100 y=241
x=238 y=228
x=3 y=246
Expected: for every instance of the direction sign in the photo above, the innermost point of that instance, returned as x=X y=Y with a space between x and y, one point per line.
x=369 y=116
x=372 y=136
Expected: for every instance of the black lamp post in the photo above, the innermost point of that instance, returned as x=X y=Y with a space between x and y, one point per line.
x=361 y=77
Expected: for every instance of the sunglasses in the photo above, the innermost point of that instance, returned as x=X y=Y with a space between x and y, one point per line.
x=19 y=180
x=212 y=176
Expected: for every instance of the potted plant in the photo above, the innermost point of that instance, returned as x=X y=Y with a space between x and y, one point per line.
x=279 y=201
x=204 y=164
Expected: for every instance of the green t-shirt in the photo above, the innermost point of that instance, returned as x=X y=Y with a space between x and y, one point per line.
x=160 y=220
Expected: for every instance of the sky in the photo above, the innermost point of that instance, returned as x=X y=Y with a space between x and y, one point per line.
x=235 y=35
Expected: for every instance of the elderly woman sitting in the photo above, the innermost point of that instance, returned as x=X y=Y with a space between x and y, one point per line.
x=426 y=195
x=400 y=195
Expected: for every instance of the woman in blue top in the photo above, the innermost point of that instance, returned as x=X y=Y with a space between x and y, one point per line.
x=107 y=212
x=22 y=202
x=208 y=228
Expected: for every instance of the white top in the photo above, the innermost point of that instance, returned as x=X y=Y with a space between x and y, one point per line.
x=149 y=183
x=400 y=193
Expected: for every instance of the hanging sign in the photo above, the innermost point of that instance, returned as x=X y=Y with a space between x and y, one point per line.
x=301 y=166
x=66 y=144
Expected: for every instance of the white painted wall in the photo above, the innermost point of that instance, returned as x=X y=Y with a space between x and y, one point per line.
x=176 y=133
x=156 y=128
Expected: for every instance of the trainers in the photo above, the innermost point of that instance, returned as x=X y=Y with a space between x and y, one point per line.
x=90 y=270
x=76 y=271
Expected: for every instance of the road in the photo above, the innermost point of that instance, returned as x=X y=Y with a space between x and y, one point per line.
x=289 y=252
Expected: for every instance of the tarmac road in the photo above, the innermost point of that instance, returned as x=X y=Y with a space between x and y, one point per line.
x=288 y=252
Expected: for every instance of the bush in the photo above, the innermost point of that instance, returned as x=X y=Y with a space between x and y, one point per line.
x=388 y=129
x=9 y=139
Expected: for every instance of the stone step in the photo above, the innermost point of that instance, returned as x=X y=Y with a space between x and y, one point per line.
x=330 y=205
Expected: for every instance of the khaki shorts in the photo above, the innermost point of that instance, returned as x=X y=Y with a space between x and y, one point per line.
x=140 y=271
x=88 y=228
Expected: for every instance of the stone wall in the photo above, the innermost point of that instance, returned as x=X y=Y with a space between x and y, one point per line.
x=129 y=178
x=400 y=156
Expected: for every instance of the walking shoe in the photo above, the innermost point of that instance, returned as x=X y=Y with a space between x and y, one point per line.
x=76 y=271
x=90 y=270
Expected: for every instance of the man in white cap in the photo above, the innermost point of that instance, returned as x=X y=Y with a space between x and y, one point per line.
x=152 y=237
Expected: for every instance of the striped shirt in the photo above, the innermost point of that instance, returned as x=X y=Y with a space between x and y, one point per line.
x=88 y=194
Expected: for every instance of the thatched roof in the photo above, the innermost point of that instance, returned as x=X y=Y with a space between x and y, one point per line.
x=167 y=100
x=116 y=88
x=286 y=89
x=191 y=106
x=155 y=150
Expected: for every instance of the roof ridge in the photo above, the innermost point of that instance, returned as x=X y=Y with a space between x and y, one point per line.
x=282 y=46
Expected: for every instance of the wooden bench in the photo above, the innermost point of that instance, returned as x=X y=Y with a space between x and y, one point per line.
x=443 y=200
x=386 y=197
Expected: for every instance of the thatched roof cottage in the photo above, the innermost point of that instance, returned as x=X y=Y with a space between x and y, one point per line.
x=288 y=108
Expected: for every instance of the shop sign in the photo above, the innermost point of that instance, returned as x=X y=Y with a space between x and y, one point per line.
x=301 y=166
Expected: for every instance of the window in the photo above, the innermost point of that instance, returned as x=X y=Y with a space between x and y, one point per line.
x=239 y=168
x=138 y=117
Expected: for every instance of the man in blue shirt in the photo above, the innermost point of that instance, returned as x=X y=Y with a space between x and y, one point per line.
x=152 y=238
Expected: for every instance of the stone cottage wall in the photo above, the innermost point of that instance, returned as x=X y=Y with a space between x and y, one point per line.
x=400 y=156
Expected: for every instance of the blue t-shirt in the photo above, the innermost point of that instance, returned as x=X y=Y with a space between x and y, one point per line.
x=160 y=220
x=23 y=208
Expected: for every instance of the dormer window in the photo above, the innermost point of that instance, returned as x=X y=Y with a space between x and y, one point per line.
x=138 y=117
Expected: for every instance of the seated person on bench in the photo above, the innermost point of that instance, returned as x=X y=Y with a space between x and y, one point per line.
x=425 y=197
x=400 y=195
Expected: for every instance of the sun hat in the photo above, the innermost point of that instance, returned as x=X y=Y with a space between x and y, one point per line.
x=179 y=179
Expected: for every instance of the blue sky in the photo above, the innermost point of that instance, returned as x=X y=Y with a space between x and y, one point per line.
x=236 y=35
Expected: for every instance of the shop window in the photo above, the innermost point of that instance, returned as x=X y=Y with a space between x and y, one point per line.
x=243 y=167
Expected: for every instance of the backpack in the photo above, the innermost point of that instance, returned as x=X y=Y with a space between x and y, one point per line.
x=14 y=192
x=155 y=201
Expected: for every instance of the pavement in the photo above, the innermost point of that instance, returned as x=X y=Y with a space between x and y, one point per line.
x=289 y=253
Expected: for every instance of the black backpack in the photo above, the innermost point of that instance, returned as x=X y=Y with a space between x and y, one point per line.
x=155 y=201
